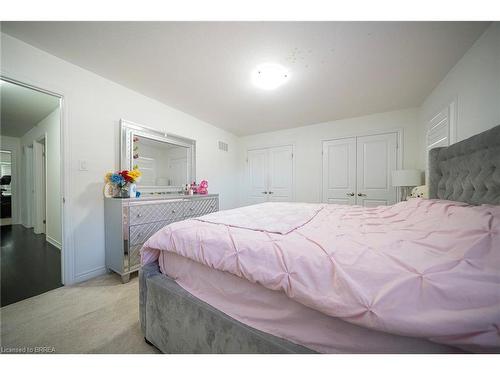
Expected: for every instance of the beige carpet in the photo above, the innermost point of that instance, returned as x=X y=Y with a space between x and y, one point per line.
x=98 y=316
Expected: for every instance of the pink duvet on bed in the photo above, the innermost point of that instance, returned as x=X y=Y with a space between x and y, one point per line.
x=423 y=268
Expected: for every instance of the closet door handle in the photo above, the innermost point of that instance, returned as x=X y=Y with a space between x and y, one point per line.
x=270 y=192
x=350 y=194
x=361 y=195
x=264 y=192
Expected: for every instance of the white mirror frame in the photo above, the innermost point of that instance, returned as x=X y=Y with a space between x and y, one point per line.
x=129 y=129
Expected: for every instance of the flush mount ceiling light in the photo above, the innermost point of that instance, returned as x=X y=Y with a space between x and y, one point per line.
x=269 y=76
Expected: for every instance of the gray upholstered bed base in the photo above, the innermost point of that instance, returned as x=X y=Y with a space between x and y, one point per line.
x=467 y=171
x=175 y=321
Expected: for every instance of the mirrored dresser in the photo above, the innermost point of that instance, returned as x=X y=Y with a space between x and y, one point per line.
x=131 y=221
x=167 y=163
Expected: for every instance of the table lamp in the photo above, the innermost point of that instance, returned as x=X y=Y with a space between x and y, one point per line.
x=406 y=179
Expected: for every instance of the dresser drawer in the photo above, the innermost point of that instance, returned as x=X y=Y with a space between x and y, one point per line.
x=138 y=234
x=148 y=213
x=199 y=207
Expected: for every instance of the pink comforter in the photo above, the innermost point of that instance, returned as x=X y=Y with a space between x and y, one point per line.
x=423 y=268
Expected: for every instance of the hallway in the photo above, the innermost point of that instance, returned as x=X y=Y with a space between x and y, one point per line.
x=29 y=264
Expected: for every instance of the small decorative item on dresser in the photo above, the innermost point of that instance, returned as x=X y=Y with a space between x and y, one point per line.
x=193 y=188
x=132 y=190
x=122 y=183
x=202 y=188
x=110 y=190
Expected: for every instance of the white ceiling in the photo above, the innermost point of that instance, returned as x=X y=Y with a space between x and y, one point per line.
x=337 y=69
x=22 y=108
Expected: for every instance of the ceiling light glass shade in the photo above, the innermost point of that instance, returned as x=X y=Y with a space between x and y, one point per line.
x=269 y=76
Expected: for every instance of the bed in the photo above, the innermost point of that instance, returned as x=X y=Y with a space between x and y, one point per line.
x=421 y=276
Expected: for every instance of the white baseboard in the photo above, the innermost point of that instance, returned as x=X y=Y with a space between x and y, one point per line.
x=53 y=242
x=89 y=274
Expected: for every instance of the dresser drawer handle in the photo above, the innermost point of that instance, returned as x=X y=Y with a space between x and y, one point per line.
x=139 y=215
x=191 y=208
x=173 y=211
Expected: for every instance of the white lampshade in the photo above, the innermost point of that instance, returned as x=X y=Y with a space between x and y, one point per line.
x=406 y=177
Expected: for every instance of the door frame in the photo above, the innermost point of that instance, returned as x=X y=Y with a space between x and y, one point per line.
x=28 y=186
x=40 y=184
x=292 y=144
x=399 y=134
x=67 y=238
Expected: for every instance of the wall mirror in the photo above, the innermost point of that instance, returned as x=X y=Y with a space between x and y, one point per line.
x=167 y=161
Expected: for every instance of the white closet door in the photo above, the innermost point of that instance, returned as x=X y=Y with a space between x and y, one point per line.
x=280 y=174
x=339 y=171
x=376 y=159
x=257 y=177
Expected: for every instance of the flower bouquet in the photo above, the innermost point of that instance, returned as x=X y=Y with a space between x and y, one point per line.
x=121 y=184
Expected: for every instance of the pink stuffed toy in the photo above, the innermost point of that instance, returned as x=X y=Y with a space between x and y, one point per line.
x=203 y=187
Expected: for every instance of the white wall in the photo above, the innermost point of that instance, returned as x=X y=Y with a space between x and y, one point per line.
x=307 y=141
x=12 y=144
x=49 y=128
x=475 y=83
x=92 y=109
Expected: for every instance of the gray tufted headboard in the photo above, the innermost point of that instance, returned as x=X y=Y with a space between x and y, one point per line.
x=467 y=171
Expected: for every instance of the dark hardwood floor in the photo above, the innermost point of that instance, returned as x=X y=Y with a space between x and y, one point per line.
x=29 y=264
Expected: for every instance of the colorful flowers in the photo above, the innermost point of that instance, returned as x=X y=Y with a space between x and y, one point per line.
x=121 y=178
x=117 y=179
x=134 y=174
x=121 y=183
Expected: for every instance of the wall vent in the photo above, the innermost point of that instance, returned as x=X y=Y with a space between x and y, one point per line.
x=223 y=146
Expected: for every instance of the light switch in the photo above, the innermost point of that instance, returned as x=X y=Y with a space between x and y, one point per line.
x=82 y=165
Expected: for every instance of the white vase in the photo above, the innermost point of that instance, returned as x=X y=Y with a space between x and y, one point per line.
x=132 y=189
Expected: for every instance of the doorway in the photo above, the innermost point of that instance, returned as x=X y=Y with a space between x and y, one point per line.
x=6 y=187
x=31 y=243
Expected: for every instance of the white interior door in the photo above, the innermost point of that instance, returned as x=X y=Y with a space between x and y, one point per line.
x=257 y=176
x=339 y=171
x=280 y=174
x=376 y=159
